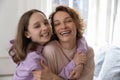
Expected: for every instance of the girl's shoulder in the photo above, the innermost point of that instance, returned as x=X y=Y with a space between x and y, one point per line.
x=32 y=55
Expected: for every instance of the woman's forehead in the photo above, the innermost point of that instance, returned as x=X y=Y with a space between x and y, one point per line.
x=61 y=15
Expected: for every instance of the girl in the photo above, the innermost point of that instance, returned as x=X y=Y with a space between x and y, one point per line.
x=32 y=34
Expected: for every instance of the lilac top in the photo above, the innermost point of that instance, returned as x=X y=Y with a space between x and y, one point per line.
x=24 y=68
x=32 y=62
x=82 y=45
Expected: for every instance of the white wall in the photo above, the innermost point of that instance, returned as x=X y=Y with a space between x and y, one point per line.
x=8 y=21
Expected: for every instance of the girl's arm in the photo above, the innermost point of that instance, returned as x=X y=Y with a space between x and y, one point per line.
x=79 y=58
x=45 y=74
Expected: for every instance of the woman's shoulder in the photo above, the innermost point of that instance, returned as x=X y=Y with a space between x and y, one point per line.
x=51 y=48
x=90 y=51
x=51 y=45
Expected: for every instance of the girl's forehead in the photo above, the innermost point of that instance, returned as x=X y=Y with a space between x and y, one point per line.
x=38 y=14
x=37 y=17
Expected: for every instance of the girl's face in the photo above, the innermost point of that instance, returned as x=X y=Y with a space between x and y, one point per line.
x=65 y=27
x=39 y=29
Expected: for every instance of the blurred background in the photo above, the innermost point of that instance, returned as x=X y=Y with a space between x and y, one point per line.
x=101 y=17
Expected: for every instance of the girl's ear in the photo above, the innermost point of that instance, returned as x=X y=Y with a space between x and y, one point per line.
x=27 y=34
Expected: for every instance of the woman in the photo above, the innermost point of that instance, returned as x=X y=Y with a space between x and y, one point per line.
x=67 y=28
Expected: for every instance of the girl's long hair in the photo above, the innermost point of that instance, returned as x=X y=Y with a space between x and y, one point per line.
x=22 y=45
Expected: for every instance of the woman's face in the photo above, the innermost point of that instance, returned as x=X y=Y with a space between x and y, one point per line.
x=38 y=29
x=65 y=27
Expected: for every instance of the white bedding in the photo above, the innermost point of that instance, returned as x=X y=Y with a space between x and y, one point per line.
x=107 y=63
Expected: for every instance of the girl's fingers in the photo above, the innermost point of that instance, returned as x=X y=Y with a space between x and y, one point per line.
x=71 y=74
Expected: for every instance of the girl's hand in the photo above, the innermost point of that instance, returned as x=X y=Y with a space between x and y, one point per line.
x=80 y=58
x=75 y=74
x=44 y=74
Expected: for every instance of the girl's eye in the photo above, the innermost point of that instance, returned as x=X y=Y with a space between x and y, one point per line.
x=37 y=26
x=46 y=23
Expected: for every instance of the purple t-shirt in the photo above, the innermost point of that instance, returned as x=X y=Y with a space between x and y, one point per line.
x=24 y=68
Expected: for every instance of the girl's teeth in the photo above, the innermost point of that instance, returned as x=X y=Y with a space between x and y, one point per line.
x=45 y=34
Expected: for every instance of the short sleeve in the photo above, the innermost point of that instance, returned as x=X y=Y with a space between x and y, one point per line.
x=24 y=68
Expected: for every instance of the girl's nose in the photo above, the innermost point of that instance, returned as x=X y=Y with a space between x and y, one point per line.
x=44 y=27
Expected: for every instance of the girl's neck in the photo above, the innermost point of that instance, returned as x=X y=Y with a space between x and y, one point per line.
x=69 y=44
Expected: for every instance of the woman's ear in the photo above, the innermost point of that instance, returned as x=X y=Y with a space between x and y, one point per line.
x=27 y=34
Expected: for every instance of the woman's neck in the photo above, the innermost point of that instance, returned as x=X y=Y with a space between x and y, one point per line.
x=68 y=45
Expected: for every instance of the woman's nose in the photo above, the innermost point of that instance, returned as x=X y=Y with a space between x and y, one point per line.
x=63 y=25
